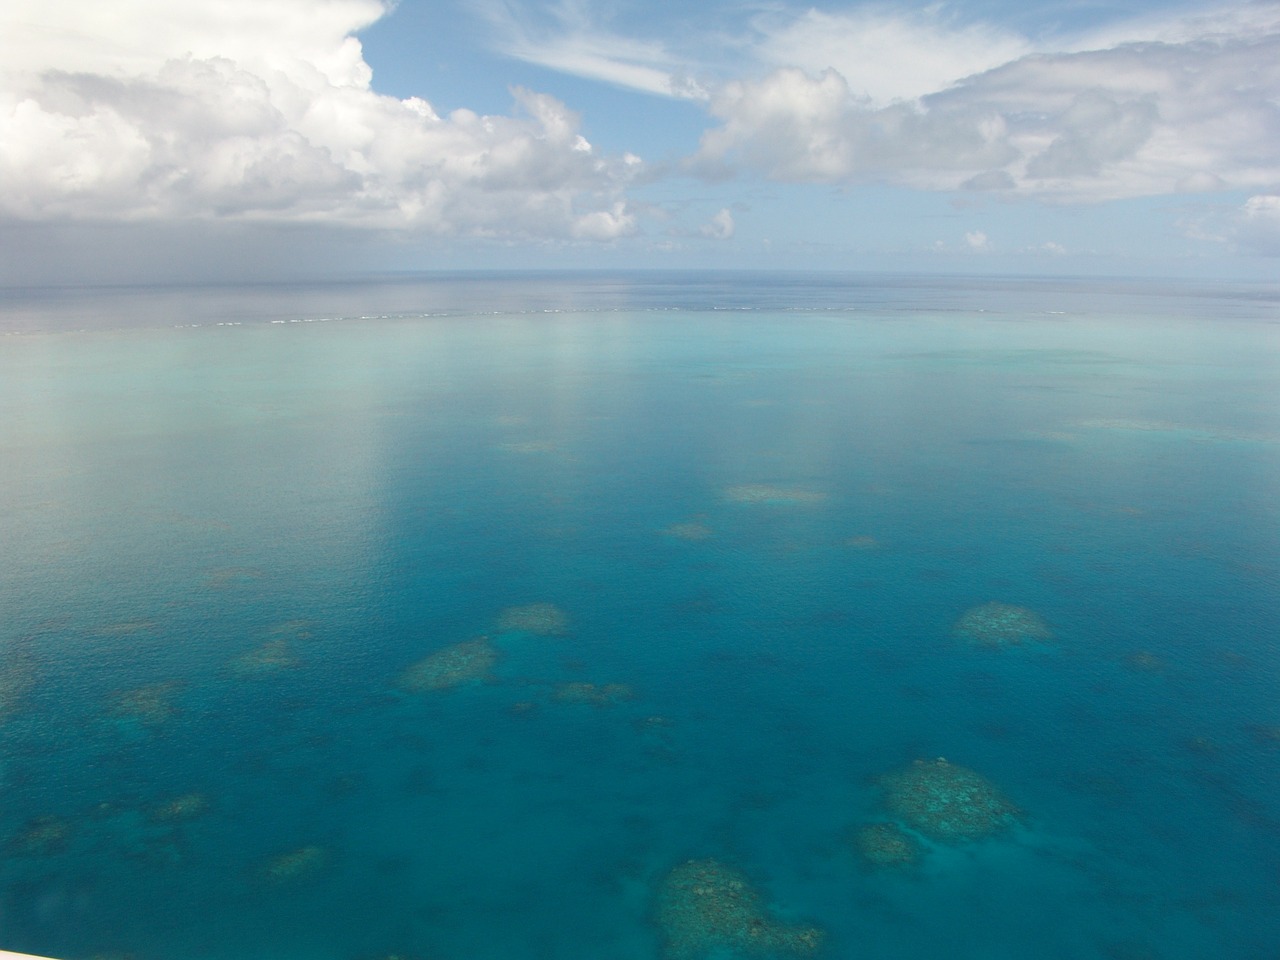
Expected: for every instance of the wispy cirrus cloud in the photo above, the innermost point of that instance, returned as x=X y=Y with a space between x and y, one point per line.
x=884 y=53
x=568 y=38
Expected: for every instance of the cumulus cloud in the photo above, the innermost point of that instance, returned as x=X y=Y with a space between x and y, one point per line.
x=1257 y=225
x=793 y=126
x=720 y=227
x=1194 y=110
x=605 y=224
x=262 y=110
x=885 y=55
x=1171 y=101
x=977 y=241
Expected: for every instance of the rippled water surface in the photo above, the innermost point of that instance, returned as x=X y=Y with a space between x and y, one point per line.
x=450 y=618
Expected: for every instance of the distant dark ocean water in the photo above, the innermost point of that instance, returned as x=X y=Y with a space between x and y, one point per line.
x=733 y=543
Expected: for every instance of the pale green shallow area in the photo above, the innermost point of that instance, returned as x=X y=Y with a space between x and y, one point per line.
x=733 y=547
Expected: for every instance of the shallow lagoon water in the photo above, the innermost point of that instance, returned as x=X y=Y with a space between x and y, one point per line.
x=760 y=506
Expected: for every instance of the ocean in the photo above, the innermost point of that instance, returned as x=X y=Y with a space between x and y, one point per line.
x=631 y=617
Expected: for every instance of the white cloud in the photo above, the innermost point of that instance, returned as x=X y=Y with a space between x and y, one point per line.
x=720 y=227
x=1257 y=225
x=131 y=37
x=571 y=42
x=885 y=55
x=1173 y=101
x=1208 y=24
x=1130 y=120
x=604 y=224
x=1170 y=102
x=1263 y=209
x=977 y=241
x=262 y=110
x=792 y=126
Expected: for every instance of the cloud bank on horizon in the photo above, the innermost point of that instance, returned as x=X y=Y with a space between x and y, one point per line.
x=266 y=111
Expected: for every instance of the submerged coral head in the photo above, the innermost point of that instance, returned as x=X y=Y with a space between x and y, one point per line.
x=707 y=910
x=41 y=836
x=767 y=493
x=295 y=864
x=470 y=660
x=545 y=619
x=947 y=802
x=998 y=624
x=150 y=705
x=691 y=530
x=186 y=807
x=887 y=845
x=593 y=694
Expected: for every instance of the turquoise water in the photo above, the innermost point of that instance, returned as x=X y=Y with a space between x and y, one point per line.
x=760 y=505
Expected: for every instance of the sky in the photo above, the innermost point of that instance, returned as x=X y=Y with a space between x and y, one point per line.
x=275 y=139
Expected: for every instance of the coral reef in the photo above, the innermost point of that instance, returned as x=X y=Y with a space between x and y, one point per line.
x=136 y=834
x=179 y=809
x=454 y=665
x=1202 y=745
x=887 y=845
x=1146 y=661
x=41 y=836
x=271 y=656
x=17 y=677
x=657 y=738
x=767 y=493
x=595 y=694
x=706 y=909
x=542 y=618
x=997 y=624
x=297 y=629
x=693 y=530
x=865 y=543
x=947 y=802
x=294 y=865
x=528 y=446
x=150 y=705
x=225 y=577
x=1265 y=734
x=125 y=628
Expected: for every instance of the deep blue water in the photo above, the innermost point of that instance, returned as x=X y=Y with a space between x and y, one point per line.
x=762 y=504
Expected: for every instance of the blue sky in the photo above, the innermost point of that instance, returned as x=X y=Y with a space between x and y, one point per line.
x=274 y=138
